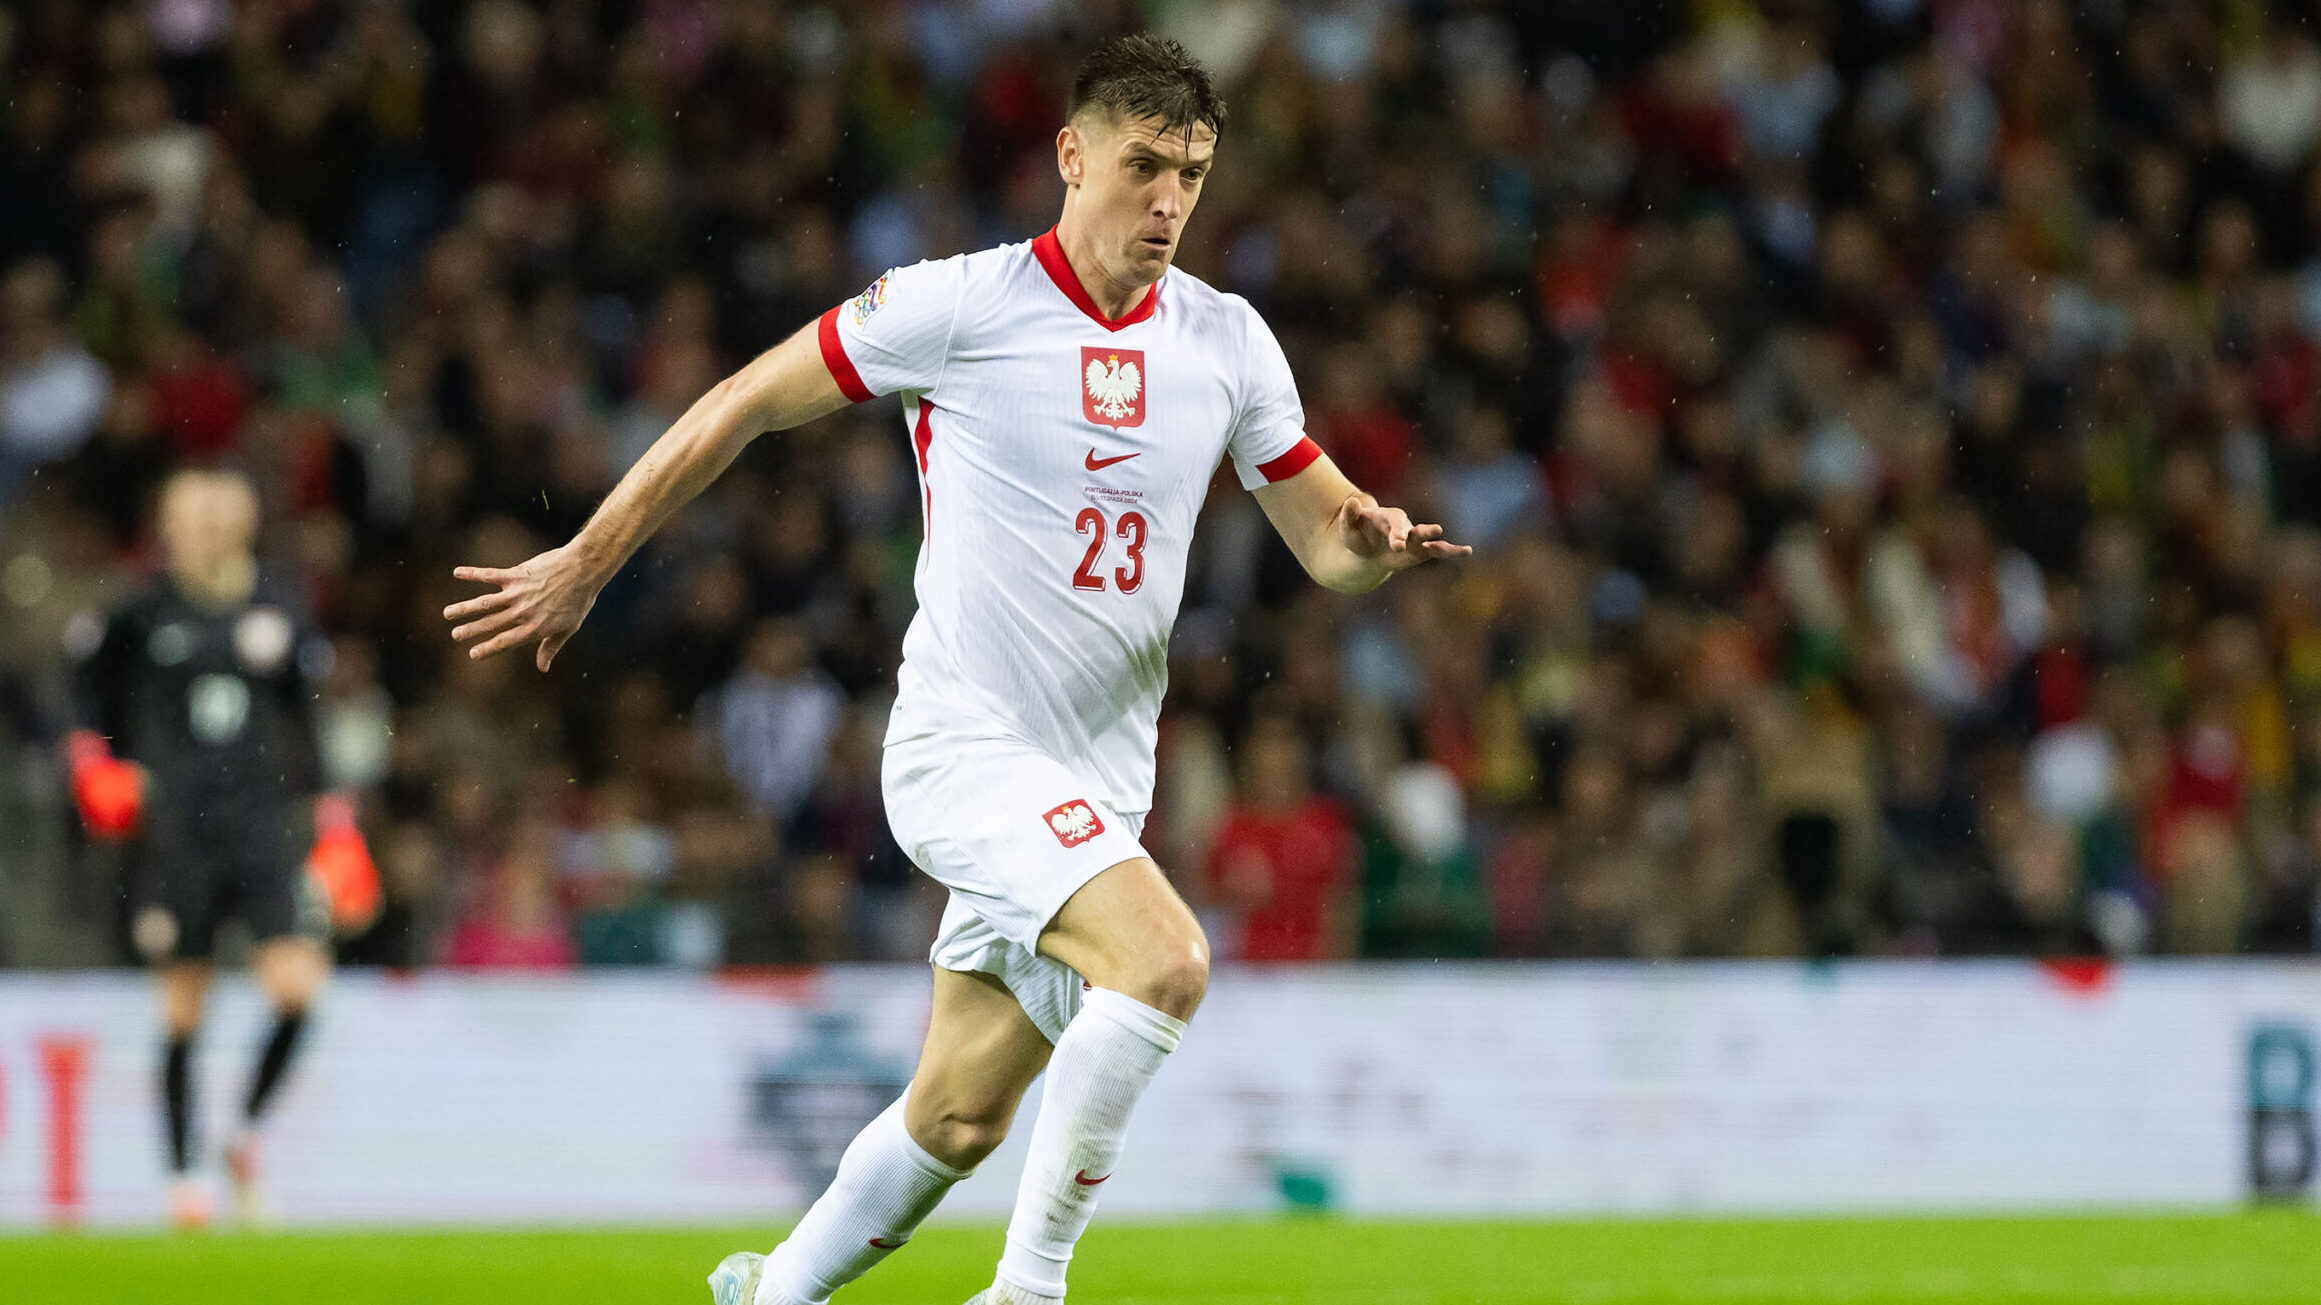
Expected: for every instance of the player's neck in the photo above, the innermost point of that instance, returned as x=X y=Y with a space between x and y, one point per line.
x=1112 y=298
x=219 y=584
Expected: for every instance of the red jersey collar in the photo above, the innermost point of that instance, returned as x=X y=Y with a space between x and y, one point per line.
x=1050 y=252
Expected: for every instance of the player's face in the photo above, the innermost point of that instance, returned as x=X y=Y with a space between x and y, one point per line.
x=1138 y=180
x=206 y=520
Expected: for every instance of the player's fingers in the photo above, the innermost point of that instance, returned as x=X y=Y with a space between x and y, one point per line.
x=475 y=606
x=504 y=640
x=1422 y=552
x=490 y=575
x=549 y=647
x=491 y=624
x=1425 y=538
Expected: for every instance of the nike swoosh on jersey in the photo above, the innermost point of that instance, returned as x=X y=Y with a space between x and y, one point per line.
x=1098 y=464
x=1084 y=1180
x=887 y=1245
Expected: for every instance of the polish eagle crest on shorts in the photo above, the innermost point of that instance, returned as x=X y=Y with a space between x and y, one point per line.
x=1112 y=386
x=1075 y=822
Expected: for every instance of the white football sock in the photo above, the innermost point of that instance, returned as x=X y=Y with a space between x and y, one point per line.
x=886 y=1184
x=1103 y=1063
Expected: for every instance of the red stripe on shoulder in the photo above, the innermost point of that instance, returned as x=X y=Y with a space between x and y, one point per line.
x=834 y=357
x=1300 y=457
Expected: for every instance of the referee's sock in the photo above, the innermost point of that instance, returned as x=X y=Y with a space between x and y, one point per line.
x=177 y=1093
x=289 y=1025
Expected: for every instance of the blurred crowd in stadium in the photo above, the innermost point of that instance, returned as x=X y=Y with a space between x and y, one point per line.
x=1890 y=433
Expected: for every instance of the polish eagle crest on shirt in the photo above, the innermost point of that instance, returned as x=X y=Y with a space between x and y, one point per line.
x=1112 y=386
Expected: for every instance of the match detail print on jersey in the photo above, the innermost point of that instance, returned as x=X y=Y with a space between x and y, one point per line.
x=1075 y=822
x=1112 y=386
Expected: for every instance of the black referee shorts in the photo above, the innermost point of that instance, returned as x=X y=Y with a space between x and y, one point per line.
x=195 y=871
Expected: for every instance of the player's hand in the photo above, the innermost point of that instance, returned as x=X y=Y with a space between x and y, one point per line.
x=545 y=599
x=1386 y=536
x=109 y=792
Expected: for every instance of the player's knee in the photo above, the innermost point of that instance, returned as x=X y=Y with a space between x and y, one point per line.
x=293 y=991
x=1176 y=977
x=180 y=1011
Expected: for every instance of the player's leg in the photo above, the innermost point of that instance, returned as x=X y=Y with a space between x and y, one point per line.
x=291 y=971
x=981 y=1054
x=291 y=965
x=1136 y=942
x=1127 y=931
x=175 y=889
x=184 y=988
x=173 y=892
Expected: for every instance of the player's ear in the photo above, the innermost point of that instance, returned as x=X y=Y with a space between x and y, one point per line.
x=1071 y=154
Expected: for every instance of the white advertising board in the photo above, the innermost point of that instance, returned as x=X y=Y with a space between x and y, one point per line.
x=1435 y=1089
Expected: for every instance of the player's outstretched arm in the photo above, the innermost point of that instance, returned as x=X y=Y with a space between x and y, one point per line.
x=1345 y=540
x=546 y=598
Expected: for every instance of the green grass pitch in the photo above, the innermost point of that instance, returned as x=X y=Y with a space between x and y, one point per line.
x=2177 y=1259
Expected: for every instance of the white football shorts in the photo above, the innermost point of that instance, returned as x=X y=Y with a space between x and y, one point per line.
x=1013 y=833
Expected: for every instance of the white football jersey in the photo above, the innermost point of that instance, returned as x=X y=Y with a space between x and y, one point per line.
x=1062 y=460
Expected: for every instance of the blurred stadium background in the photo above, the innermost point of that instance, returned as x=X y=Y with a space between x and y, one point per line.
x=1891 y=435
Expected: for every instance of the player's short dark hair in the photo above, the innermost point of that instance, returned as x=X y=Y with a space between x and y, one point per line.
x=1146 y=76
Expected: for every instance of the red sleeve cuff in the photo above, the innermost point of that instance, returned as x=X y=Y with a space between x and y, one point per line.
x=834 y=357
x=1300 y=457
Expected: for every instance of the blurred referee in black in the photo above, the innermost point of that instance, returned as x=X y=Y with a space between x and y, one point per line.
x=197 y=750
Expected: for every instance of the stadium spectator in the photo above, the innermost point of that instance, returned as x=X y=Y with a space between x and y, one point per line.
x=52 y=391
x=612 y=868
x=514 y=921
x=1283 y=862
x=775 y=719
